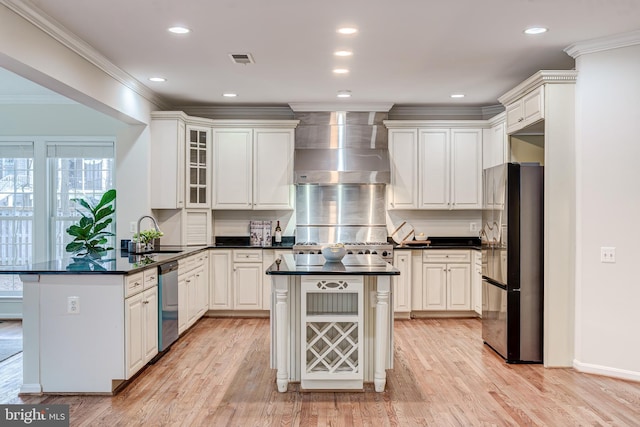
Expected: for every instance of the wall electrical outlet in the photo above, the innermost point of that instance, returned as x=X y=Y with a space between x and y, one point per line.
x=607 y=254
x=73 y=305
x=132 y=226
x=473 y=226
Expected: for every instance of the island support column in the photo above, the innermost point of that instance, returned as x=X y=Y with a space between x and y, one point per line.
x=281 y=284
x=382 y=332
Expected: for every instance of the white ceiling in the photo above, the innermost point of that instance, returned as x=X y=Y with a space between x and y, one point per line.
x=407 y=52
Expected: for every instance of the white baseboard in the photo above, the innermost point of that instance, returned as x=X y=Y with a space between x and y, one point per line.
x=606 y=371
x=10 y=307
x=31 y=389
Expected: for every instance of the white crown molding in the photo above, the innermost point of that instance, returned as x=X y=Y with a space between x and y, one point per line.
x=52 y=99
x=537 y=80
x=59 y=33
x=498 y=118
x=243 y=123
x=443 y=112
x=604 y=43
x=459 y=124
x=224 y=123
x=341 y=106
x=238 y=111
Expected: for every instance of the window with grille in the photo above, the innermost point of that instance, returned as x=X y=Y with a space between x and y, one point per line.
x=38 y=179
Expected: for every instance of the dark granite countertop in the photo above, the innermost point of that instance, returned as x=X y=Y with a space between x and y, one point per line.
x=115 y=262
x=243 y=242
x=360 y=265
x=421 y=247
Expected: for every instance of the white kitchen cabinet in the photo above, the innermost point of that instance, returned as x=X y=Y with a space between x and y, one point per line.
x=193 y=289
x=402 y=191
x=435 y=164
x=236 y=280
x=446 y=281
x=168 y=133
x=269 y=256
x=185 y=227
x=247 y=279
x=402 y=283
x=141 y=319
x=525 y=111
x=450 y=174
x=180 y=160
x=198 y=176
x=476 y=282
x=220 y=285
x=495 y=150
x=253 y=167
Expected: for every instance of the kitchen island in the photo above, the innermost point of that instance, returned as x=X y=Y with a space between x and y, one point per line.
x=89 y=325
x=331 y=322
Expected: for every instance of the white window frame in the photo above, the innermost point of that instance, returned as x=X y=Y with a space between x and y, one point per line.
x=43 y=191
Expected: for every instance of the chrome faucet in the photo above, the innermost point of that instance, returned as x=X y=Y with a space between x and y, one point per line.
x=155 y=223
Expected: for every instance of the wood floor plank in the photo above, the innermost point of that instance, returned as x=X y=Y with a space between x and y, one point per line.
x=218 y=374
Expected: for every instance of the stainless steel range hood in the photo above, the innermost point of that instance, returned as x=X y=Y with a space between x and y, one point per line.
x=341 y=148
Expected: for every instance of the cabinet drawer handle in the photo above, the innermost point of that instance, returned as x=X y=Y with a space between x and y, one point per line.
x=521 y=119
x=145 y=302
x=136 y=284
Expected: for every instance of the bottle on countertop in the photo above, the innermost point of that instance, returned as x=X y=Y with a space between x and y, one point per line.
x=278 y=234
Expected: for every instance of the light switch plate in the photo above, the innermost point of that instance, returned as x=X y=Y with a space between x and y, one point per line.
x=607 y=254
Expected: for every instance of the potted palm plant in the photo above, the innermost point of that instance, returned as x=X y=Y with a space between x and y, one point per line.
x=90 y=233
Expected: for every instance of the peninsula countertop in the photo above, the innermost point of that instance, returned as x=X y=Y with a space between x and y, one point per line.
x=303 y=264
x=115 y=262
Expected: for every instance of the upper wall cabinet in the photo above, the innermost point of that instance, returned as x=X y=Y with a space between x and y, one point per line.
x=495 y=150
x=403 y=153
x=525 y=111
x=253 y=165
x=198 y=176
x=179 y=174
x=167 y=159
x=435 y=165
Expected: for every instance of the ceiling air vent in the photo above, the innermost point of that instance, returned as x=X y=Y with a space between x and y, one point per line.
x=241 y=58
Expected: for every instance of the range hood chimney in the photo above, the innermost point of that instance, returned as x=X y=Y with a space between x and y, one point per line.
x=341 y=147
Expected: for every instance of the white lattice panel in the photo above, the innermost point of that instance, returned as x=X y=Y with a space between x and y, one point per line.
x=332 y=321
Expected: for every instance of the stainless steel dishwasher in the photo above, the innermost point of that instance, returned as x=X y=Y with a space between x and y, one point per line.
x=167 y=305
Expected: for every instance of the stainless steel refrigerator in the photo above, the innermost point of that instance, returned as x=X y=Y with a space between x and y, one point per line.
x=512 y=261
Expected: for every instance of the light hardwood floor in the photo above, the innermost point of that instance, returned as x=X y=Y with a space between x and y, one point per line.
x=218 y=375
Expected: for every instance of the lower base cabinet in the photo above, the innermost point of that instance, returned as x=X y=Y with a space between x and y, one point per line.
x=193 y=289
x=402 y=283
x=140 y=320
x=141 y=330
x=445 y=281
x=237 y=280
x=247 y=279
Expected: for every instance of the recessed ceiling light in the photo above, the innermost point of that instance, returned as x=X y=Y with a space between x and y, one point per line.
x=229 y=95
x=179 y=30
x=343 y=53
x=344 y=94
x=535 y=30
x=457 y=95
x=347 y=30
x=340 y=70
x=157 y=79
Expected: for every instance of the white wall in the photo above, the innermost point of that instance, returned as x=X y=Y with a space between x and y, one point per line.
x=31 y=53
x=608 y=212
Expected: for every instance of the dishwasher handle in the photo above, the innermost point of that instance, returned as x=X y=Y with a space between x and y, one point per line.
x=168 y=267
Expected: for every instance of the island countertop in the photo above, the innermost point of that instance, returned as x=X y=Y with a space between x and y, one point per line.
x=303 y=264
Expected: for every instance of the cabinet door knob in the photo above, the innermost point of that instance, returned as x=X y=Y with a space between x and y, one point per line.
x=521 y=119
